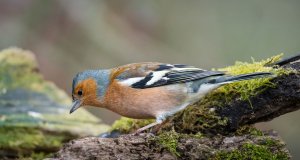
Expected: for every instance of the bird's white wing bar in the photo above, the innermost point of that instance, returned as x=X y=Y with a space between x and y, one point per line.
x=157 y=75
x=130 y=81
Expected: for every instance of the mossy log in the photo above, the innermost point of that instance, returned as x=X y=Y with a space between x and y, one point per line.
x=34 y=113
x=144 y=146
x=217 y=127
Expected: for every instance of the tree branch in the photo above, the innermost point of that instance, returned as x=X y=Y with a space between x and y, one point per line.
x=272 y=103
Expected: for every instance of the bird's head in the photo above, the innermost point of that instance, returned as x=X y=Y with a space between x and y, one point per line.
x=89 y=88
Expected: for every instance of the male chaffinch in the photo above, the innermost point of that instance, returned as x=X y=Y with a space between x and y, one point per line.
x=148 y=90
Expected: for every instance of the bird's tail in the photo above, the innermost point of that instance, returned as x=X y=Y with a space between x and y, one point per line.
x=241 y=77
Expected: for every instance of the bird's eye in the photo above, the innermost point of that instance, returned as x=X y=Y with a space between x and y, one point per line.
x=79 y=92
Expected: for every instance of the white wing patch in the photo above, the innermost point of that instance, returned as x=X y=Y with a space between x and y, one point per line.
x=131 y=81
x=165 y=78
x=157 y=75
x=184 y=69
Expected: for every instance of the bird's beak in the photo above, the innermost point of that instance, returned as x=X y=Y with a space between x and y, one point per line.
x=76 y=104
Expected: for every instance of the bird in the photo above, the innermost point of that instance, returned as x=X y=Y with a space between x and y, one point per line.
x=149 y=90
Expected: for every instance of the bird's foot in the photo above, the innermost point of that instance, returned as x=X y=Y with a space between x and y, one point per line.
x=137 y=132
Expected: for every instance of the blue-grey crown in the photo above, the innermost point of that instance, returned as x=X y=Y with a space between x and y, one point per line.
x=100 y=76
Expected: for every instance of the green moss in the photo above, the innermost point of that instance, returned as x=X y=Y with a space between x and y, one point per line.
x=128 y=125
x=38 y=156
x=25 y=140
x=258 y=148
x=247 y=129
x=196 y=119
x=245 y=89
x=265 y=151
x=81 y=123
x=169 y=140
x=272 y=143
x=198 y=135
x=19 y=69
x=17 y=64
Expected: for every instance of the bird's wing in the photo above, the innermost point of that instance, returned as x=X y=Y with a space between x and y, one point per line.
x=148 y=75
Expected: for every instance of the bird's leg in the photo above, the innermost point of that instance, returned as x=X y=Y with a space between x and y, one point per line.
x=157 y=128
x=146 y=127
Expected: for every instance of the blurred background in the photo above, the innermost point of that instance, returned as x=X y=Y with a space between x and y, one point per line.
x=69 y=36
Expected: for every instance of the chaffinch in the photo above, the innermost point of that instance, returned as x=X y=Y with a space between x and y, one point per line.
x=148 y=90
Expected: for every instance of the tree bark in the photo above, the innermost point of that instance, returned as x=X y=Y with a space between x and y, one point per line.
x=141 y=147
x=268 y=105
